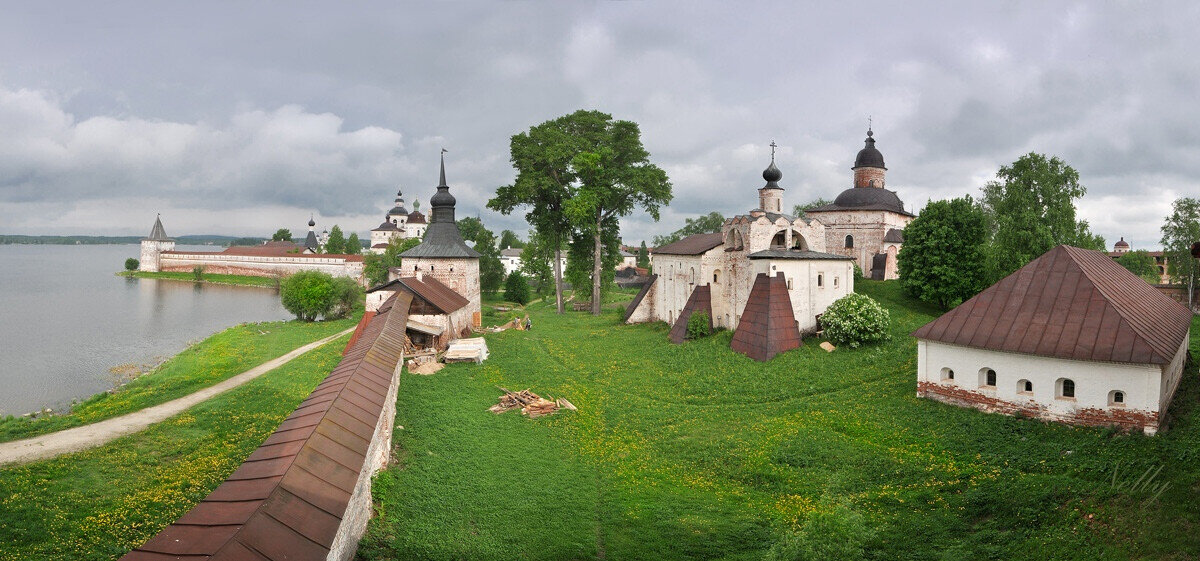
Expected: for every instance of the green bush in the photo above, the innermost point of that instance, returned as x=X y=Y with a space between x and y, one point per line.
x=698 y=326
x=198 y=272
x=858 y=272
x=835 y=534
x=131 y=264
x=313 y=294
x=516 y=289
x=855 y=319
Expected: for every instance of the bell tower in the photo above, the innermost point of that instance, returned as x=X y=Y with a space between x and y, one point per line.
x=770 y=196
x=869 y=170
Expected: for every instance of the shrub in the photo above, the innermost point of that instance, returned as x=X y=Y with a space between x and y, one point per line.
x=855 y=319
x=516 y=289
x=132 y=264
x=836 y=534
x=858 y=272
x=348 y=295
x=698 y=326
x=311 y=294
x=198 y=272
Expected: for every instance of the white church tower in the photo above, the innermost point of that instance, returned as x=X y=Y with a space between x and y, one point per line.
x=154 y=245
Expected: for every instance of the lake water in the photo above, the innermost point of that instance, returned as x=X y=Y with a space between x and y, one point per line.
x=66 y=319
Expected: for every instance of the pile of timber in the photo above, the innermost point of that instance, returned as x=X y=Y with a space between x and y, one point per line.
x=530 y=404
x=582 y=306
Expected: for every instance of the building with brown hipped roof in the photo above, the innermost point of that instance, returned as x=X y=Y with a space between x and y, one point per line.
x=1072 y=337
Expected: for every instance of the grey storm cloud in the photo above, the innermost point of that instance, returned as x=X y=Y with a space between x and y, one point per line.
x=237 y=118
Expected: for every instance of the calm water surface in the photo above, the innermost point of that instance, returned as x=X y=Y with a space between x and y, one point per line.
x=66 y=319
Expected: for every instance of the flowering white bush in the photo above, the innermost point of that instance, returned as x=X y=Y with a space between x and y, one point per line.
x=855 y=319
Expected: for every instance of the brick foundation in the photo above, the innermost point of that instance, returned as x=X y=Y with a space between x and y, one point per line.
x=1128 y=419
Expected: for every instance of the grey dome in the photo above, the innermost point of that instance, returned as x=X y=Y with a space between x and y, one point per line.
x=869 y=156
x=869 y=198
x=772 y=175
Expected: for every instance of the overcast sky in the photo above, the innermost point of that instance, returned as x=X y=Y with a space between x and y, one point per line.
x=241 y=118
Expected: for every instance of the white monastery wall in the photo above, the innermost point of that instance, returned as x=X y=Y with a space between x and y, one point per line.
x=259 y=266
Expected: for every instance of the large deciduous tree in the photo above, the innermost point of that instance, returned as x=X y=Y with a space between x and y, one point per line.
x=1031 y=206
x=535 y=262
x=614 y=176
x=491 y=269
x=1179 y=231
x=944 y=256
x=706 y=224
x=353 y=244
x=282 y=235
x=337 y=241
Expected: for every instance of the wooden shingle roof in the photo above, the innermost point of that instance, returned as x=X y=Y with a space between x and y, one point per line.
x=1069 y=303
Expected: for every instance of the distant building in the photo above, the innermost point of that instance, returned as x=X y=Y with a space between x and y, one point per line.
x=1071 y=337
x=1160 y=259
x=510 y=257
x=398 y=223
x=271 y=259
x=866 y=221
x=627 y=260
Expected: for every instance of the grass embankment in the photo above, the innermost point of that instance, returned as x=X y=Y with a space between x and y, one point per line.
x=695 y=452
x=212 y=278
x=221 y=356
x=101 y=503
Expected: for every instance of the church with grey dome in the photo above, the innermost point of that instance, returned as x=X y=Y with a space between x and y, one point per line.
x=867 y=220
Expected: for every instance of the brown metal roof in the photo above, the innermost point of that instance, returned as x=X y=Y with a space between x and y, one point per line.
x=288 y=498
x=1069 y=303
x=433 y=291
x=768 y=325
x=692 y=245
x=699 y=301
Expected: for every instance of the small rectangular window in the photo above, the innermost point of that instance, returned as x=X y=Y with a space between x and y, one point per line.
x=789 y=284
x=835 y=282
x=820 y=280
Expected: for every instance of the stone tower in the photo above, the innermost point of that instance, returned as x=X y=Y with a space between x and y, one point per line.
x=868 y=167
x=443 y=254
x=770 y=196
x=154 y=245
x=311 y=242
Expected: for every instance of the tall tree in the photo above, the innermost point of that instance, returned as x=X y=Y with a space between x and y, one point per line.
x=282 y=235
x=376 y=265
x=491 y=269
x=508 y=238
x=706 y=224
x=1179 y=231
x=337 y=241
x=1031 y=206
x=643 y=258
x=801 y=210
x=1140 y=263
x=535 y=262
x=353 y=244
x=470 y=228
x=543 y=157
x=944 y=258
x=614 y=176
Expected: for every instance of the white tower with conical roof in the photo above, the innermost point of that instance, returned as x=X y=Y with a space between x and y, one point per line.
x=154 y=245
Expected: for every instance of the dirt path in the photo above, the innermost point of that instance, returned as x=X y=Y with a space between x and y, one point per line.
x=95 y=434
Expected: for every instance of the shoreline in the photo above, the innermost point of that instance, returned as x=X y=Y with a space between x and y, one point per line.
x=206 y=278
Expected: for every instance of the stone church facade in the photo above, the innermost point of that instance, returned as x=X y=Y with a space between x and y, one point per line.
x=867 y=220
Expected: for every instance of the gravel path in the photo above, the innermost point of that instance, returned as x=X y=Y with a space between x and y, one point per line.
x=95 y=434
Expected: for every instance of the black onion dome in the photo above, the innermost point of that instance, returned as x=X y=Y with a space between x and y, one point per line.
x=772 y=175
x=311 y=222
x=869 y=156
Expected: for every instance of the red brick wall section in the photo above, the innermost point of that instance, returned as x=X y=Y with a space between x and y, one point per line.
x=768 y=325
x=864 y=176
x=1128 y=419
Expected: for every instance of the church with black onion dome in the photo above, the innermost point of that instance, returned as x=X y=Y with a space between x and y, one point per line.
x=867 y=220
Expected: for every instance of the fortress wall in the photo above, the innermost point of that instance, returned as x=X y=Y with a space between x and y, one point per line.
x=259 y=266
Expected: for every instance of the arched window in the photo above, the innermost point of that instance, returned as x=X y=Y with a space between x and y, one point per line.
x=779 y=241
x=1065 y=387
x=1116 y=398
x=431 y=267
x=1024 y=386
x=987 y=377
x=734 y=240
x=835 y=281
x=716 y=276
x=798 y=241
x=820 y=280
x=849 y=241
x=947 y=374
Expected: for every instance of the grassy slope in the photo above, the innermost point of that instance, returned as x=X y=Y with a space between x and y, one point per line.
x=207 y=277
x=101 y=503
x=694 y=452
x=222 y=355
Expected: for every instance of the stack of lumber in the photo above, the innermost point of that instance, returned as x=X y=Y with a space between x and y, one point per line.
x=467 y=350
x=530 y=404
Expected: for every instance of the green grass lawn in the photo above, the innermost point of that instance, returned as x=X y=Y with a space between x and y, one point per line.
x=695 y=452
x=222 y=355
x=100 y=503
x=243 y=280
